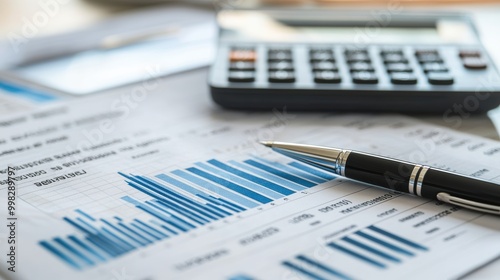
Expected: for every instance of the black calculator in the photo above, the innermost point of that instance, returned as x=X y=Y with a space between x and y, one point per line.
x=352 y=61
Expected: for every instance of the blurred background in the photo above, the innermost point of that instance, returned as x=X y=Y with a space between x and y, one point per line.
x=58 y=49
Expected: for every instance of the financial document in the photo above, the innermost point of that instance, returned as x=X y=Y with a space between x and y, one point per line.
x=156 y=187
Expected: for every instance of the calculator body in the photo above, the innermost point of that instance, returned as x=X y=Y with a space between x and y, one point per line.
x=352 y=61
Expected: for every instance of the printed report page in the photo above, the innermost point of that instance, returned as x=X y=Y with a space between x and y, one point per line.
x=102 y=188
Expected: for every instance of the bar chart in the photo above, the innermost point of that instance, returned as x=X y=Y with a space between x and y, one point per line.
x=179 y=201
x=372 y=246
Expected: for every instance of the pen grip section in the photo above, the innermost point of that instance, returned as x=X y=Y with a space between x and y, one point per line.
x=465 y=187
x=383 y=172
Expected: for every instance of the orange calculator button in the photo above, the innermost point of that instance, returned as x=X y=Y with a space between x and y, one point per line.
x=242 y=55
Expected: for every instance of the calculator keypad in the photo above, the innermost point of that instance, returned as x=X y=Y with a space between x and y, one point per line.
x=359 y=65
x=242 y=65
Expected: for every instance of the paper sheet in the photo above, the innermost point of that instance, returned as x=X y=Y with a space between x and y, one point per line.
x=164 y=186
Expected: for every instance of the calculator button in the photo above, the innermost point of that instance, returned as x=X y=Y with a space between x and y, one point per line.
x=434 y=67
x=361 y=66
x=474 y=63
x=398 y=67
x=284 y=50
x=358 y=57
x=426 y=58
x=436 y=78
x=327 y=77
x=242 y=66
x=241 y=76
x=242 y=55
x=322 y=56
x=281 y=77
x=426 y=52
x=394 y=58
x=281 y=65
x=324 y=50
x=469 y=53
x=324 y=65
x=403 y=78
x=364 y=78
x=352 y=51
x=391 y=51
x=279 y=55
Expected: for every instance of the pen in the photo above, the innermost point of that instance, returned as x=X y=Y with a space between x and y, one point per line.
x=401 y=176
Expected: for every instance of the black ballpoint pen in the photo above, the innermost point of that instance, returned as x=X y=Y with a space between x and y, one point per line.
x=416 y=179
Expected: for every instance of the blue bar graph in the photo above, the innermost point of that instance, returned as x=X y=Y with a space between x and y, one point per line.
x=179 y=202
x=366 y=246
x=362 y=246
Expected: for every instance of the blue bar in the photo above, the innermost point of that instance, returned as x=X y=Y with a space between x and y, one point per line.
x=125 y=227
x=125 y=233
x=290 y=170
x=303 y=271
x=103 y=246
x=398 y=238
x=217 y=189
x=179 y=184
x=26 y=92
x=140 y=228
x=250 y=177
x=167 y=193
x=219 y=203
x=269 y=176
x=179 y=220
x=59 y=254
x=165 y=227
x=82 y=221
x=186 y=225
x=188 y=214
x=169 y=199
x=312 y=170
x=385 y=244
x=76 y=252
x=241 y=182
x=160 y=216
x=230 y=204
x=177 y=198
x=87 y=248
x=215 y=208
x=280 y=173
x=240 y=277
x=118 y=240
x=85 y=215
x=371 y=249
x=121 y=240
x=323 y=267
x=356 y=255
x=161 y=234
x=239 y=189
x=201 y=213
x=78 y=226
x=105 y=243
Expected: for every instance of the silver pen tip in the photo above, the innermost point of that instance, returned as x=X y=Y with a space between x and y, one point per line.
x=267 y=143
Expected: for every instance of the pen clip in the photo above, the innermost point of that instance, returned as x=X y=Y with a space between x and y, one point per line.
x=483 y=207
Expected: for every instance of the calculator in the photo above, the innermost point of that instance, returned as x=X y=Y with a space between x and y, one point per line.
x=352 y=61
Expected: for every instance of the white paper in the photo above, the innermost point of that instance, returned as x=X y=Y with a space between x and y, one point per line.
x=69 y=158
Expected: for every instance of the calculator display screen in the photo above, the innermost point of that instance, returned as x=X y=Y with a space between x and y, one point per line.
x=252 y=26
